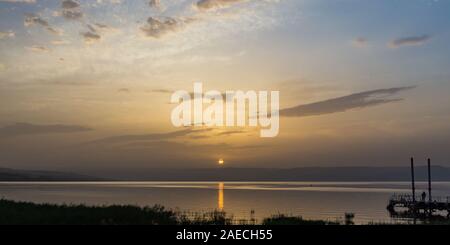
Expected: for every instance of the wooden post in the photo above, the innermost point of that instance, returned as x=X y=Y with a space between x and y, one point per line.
x=412 y=181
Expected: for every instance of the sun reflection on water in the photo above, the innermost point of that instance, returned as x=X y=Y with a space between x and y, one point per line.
x=220 y=199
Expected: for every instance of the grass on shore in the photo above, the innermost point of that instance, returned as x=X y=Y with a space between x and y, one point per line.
x=27 y=213
x=295 y=220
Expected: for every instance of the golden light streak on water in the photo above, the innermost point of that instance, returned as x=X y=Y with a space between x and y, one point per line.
x=220 y=199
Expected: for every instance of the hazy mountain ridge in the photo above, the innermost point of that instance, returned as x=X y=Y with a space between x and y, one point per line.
x=439 y=173
x=7 y=174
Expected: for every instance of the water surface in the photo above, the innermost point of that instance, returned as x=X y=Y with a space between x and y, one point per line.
x=312 y=200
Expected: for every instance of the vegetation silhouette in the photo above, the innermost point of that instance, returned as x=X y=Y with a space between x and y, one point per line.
x=27 y=213
x=282 y=219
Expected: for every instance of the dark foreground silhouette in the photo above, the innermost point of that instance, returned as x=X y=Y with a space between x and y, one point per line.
x=27 y=213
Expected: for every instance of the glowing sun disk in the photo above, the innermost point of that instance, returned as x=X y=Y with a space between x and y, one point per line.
x=221 y=162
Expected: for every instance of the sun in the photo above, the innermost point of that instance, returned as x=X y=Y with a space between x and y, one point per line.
x=221 y=162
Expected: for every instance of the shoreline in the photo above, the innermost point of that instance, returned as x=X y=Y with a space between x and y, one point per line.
x=30 y=213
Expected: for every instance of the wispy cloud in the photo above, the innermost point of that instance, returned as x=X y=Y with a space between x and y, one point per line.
x=33 y=129
x=60 y=42
x=341 y=104
x=124 y=90
x=160 y=27
x=409 y=41
x=90 y=37
x=38 y=49
x=96 y=32
x=156 y=4
x=72 y=14
x=33 y=19
x=191 y=94
x=102 y=28
x=70 y=4
x=18 y=1
x=149 y=137
x=232 y=132
x=8 y=34
x=360 y=42
x=215 y=4
x=71 y=10
x=163 y=91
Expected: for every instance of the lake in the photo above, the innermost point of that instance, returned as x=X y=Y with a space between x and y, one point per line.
x=311 y=200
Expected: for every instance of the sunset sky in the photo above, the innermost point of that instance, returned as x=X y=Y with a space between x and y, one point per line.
x=85 y=85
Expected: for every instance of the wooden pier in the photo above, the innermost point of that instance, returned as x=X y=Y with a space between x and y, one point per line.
x=413 y=206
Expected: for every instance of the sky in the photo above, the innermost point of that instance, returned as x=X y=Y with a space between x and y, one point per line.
x=85 y=85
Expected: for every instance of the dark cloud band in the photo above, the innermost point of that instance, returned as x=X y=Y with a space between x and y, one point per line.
x=345 y=103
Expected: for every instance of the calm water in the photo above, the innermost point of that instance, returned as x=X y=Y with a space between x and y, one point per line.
x=323 y=200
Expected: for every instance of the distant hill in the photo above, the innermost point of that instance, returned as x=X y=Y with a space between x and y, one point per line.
x=7 y=174
x=439 y=173
x=295 y=174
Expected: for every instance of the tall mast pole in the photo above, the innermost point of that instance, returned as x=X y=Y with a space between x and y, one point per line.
x=412 y=181
x=429 y=181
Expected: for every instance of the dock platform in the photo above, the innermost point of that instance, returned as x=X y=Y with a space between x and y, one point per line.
x=406 y=203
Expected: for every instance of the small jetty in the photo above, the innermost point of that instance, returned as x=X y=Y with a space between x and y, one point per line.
x=413 y=206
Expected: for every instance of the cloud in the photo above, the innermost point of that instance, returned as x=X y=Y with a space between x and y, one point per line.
x=215 y=4
x=101 y=29
x=163 y=91
x=33 y=19
x=38 y=49
x=191 y=94
x=95 y=32
x=90 y=37
x=182 y=148
x=8 y=34
x=60 y=42
x=341 y=104
x=360 y=42
x=220 y=133
x=72 y=14
x=232 y=132
x=409 y=41
x=155 y=4
x=70 y=4
x=149 y=137
x=124 y=90
x=160 y=27
x=71 y=10
x=19 y=129
x=18 y=1
x=98 y=27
